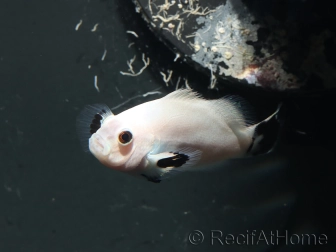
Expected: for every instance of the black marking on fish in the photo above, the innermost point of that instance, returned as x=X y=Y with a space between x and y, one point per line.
x=175 y=161
x=90 y=121
x=152 y=178
x=96 y=121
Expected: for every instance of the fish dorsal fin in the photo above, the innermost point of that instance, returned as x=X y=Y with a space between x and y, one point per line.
x=184 y=94
x=89 y=121
x=230 y=107
x=235 y=109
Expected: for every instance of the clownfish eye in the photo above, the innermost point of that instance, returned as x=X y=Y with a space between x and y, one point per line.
x=125 y=137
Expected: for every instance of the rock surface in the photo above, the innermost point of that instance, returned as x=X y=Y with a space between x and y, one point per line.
x=283 y=45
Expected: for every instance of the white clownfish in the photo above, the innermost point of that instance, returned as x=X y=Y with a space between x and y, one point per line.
x=174 y=133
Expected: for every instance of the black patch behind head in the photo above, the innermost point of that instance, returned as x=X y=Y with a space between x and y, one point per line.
x=175 y=161
x=89 y=121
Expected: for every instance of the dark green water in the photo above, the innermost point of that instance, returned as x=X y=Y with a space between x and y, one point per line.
x=57 y=198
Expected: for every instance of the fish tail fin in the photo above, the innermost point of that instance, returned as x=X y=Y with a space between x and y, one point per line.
x=266 y=134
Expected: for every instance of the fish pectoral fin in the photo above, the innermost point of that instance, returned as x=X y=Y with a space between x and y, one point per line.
x=175 y=159
x=162 y=160
x=164 y=165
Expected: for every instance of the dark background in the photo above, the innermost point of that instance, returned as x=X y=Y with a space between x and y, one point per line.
x=57 y=198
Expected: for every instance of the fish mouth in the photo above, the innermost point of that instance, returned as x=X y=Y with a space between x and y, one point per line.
x=99 y=146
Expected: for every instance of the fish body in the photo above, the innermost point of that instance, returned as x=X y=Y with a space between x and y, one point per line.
x=175 y=133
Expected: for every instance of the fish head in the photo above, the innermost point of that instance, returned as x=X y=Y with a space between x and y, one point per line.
x=120 y=144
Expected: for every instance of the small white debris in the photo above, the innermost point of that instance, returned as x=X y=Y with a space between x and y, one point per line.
x=213 y=79
x=197 y=47
x=166 y=20
x=137 y=96
x=191 y=35
x=207 y=29
x=150 y=7
x=151 y=93
x=146 y=63
x=194 y=35
x=195 y=10
x=104 y=55
x=177 y=56
x=96 y=83
x=78 y=25
x=221 y=30
x=171 y=26
x=133 y=33
x=228 y=55
x=180 y=6
x=165 y=7
x=165 y=78
x=178 y=82
x=203 y=44
x=178 y=30
x=214 y=49
x=95 y=27
x=131 y=44
x=186 y=83
x=116 y=88
x=89 y=66
x=129 y=64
